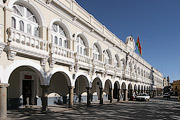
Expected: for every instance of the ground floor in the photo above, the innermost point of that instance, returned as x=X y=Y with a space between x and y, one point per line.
x=25 y=82
x=156 y=108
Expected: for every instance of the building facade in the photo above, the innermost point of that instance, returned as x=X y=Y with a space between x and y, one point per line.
x=176 y=87
x=52 y=48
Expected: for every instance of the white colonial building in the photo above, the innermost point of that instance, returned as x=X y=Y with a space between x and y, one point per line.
x=54 y=48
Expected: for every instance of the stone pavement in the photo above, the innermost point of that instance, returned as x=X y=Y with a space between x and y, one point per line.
x=155 y=109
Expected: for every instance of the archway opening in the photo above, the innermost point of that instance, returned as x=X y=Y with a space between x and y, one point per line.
x=24 y=87
x=123 y=91
x=107 y=90
x=130 y=92
x=116 y=90
x=96 y=86
x=58 y=92
x=139 y=89
x=80 y=90
x=142 y=89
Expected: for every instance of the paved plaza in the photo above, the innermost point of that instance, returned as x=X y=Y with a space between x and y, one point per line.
x=157 y=108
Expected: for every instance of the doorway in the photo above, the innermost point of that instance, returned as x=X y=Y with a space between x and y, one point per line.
x=27 y=92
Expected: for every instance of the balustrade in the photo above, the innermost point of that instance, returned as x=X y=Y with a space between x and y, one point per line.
x=27 y=40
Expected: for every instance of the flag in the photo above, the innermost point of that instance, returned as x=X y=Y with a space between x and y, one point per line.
x=139 y=46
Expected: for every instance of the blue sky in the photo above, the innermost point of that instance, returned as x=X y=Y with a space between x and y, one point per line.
x=157 y=22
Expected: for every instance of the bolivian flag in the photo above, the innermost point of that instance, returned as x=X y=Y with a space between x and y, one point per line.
x=139 y=46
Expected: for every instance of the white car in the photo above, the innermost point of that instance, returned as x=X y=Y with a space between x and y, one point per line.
x=143 y=96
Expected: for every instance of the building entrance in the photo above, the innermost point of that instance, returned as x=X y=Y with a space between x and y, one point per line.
x=27 y=92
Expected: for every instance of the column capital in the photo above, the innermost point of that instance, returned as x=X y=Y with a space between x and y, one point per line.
x=2 y=85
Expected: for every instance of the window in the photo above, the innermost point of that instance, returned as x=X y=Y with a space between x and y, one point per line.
x=81 y=48
x=26 y=20
x=60 y=42
x=96 y=54
x=21 y=25
x=116 y=63
x=13 y=23
x=106 y=57
x=36 y=31
x=29 y=29
x=59 y=36
x=56 y=40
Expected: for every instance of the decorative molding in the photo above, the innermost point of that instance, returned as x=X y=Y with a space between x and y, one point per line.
x=71 y=68
x=9 y=32
x=51 y=62
x=11 y=52
x=76 y=68
x=44 y=61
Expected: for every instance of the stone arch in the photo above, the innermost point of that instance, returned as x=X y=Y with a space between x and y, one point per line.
x=130 y=91
x=108 y=82
x=85 y=77
x=63 y=25
x=85 y=40
x=124 y=91
x=99 y=48
x=36 y=67
x=109 y=54
x=116 y=90
x=65 y=72
x=30 y=6
x=80 y=87
x=118 y=60
x=97 y=85
x=123 y=86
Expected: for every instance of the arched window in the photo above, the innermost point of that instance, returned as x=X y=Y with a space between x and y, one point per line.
x=13 y=23
x=96 y=54
x=26 y=19
x=21 y=25
x=59 y=33
x=106 y=57
x=130 y=66
x=116 y=61
x=81 y=48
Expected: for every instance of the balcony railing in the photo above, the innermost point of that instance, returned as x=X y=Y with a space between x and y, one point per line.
x=27 y=40
x=83 y=58
x=109 y=67
x=118 y=72
x=98 y=63
x=61 y=51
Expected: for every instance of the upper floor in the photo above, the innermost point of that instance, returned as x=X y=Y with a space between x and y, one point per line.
x=62 y=32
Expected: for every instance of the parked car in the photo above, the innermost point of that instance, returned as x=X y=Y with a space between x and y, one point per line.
x=166 y=95
x=143 y=96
